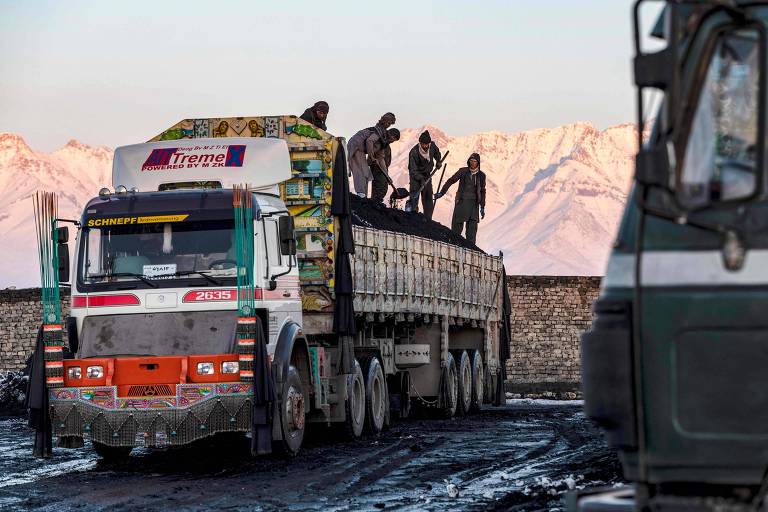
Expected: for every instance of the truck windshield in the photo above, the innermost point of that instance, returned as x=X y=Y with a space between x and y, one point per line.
x=152 y=254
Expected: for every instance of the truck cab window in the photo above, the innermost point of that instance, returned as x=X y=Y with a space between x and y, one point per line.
x=167 y=251
x=721 y=157
x=273 y=242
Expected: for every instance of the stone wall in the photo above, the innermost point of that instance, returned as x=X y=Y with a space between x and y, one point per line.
x=549 y=313
x=20 y=317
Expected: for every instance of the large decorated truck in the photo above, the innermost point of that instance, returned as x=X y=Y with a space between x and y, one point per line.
x=357 y=322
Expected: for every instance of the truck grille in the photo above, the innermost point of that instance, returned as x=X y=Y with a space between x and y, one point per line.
x=150 y=390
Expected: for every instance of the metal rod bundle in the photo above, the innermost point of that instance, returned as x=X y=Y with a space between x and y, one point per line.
x=246 y=303
x=46 y=206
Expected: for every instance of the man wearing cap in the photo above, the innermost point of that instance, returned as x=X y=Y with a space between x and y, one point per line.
x=361 y=144
x=470 y=198
x=379 y=159
x=421 y=161
x=316 y=114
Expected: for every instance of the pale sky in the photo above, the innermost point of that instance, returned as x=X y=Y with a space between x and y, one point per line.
x=119 y=72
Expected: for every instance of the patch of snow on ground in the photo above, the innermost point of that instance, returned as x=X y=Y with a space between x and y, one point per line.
x=543 y=401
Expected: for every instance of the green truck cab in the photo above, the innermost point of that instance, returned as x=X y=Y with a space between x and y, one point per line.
x=675 y=368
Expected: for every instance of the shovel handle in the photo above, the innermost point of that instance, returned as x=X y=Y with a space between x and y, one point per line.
x=442 y=174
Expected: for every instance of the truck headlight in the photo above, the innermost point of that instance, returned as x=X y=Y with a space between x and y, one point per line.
x=94 y=372
x=205 y=368
x=230 y=367
x=74 y=372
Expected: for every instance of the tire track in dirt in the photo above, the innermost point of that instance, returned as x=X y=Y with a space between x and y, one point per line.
x=405 y=468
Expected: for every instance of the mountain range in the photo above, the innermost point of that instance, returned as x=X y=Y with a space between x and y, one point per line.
x=554 y=195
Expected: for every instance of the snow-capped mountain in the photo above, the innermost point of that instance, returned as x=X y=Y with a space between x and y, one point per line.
x=76 y=172
x=554 y=196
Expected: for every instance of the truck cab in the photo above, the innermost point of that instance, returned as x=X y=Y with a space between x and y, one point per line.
x=674 y=366
x=154 y=301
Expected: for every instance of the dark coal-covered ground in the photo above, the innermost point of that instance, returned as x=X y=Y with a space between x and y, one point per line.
x=371 y=214
x=522 y=456
x=13 y=393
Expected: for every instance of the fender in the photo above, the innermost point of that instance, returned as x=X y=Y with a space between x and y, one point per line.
x=290 y=336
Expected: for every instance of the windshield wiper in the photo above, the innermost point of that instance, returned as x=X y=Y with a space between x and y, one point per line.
x=125 y=274
x=191 y=272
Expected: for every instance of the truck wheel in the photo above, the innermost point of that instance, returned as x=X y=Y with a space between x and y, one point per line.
x=292 y=411
x=450 y=388
x=465 y=384
x=354 y=405
x=478 y=382
x=112 y=453
x=376 y=401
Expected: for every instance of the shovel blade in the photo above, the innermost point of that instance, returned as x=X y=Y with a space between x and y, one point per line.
x=399 y=193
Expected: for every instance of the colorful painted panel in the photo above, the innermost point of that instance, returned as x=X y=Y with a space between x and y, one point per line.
x=188 y=394
x=307 y=195
x=146 y=403
x=103 y=396
x=62 y=394
x=233 y=387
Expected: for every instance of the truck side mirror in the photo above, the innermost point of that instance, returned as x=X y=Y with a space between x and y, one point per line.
x=63 y=263
x=655 y=161
x=287 y=235
x=62 y=235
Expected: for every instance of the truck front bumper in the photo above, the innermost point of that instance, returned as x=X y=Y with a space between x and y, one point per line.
x=195 y=412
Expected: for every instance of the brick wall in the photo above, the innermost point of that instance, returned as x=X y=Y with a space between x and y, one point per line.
x=20 y=317
x=549 y=313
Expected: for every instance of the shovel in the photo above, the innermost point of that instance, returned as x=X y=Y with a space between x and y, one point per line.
x=408 y=207
x=397 y=193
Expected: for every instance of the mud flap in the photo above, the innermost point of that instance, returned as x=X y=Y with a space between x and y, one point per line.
x=443 y=386
x=347 y=355
x=263 y=395
x=499 y=396
x=37 y=402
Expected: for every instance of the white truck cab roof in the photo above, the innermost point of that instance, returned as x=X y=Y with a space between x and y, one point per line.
x=261 y=163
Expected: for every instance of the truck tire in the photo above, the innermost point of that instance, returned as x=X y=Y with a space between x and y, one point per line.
x=354 y=405
x=292 y=413
x=464 y=374
x=478 y=382
x=449 y=391
x=376 y=400
x=112 y=453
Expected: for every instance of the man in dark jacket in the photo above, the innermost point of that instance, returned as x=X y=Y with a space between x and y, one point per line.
x=316 y=114
x=421 y=161
x=361 y=144
x=379 y=159
x=469 y=199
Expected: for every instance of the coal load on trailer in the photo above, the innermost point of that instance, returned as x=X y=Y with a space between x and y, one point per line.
x=373 y=214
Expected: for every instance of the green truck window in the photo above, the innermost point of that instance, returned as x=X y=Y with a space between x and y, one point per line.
x=721 y=155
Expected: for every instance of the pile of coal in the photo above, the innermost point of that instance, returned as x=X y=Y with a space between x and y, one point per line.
x=13 y=393
x=371 y=214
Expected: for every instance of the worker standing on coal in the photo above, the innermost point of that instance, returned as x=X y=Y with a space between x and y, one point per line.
x=470 y=198
x=357 y=149
x=421 y=161
x=379 y=159
x=317 y=114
